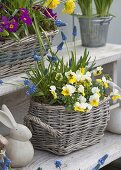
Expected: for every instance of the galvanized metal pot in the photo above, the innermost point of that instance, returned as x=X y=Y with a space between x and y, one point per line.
x=94 y=31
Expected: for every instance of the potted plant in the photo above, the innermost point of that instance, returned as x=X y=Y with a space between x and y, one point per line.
x=94 y=24
x=24 y=26
x=69 y=107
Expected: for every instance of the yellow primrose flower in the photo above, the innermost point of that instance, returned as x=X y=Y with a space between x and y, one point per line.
x=79 y=107
x=69 y=7
x=105 y=82
x=115 y=95
x=71 y=76
x=99 y=81
x=68 y=90
x=59 y=77
x=52 y=90
x=51 y=3
x=94 y=100
x=82 y=71
x=97 y=71
x=54 y=94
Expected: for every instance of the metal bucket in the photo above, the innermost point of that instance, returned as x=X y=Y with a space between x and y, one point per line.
x=94 y=31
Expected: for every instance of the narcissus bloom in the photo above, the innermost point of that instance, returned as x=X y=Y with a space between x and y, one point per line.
x=69 y=7
x=52 y=3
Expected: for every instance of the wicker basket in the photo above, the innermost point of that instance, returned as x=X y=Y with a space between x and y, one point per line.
x=61 y=132
x=16 y=57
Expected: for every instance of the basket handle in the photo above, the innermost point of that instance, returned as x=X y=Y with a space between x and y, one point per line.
x=45 y=126
x=113 y=85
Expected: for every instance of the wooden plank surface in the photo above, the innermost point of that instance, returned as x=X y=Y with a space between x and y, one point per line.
x=85 y=159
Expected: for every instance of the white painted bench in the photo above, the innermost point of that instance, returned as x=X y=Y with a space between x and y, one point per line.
x=87 y=158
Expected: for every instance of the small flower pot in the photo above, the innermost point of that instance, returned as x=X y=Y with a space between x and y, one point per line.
x=94 y=31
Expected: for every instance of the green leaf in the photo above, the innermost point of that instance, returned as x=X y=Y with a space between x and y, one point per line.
x=39 y=94
x=4 y=33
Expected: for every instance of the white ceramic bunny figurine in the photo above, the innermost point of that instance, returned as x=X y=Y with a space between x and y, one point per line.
x=19 y=149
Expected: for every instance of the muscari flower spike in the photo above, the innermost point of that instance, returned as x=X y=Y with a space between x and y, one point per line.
x=39 y=168
x=37 y=57
x=1 y=82
x=32 y=89
x=101 y=161
x=64 y=37
x=26 y=82
x=7 y=163
x=60 y=46
x=70 y=62
x=58 y=164
x=74 y=33
x=52 y=58
x=59 y=23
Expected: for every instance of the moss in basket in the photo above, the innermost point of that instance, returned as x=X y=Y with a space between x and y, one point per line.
x=73 y=83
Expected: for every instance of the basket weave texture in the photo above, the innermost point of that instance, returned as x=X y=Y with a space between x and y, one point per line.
x=16 y=56
x=59 y=131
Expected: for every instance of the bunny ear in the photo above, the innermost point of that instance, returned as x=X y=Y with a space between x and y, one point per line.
x=7 y=118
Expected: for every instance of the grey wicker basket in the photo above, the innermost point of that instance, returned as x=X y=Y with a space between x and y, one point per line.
x=59 y=131
x=16 y=56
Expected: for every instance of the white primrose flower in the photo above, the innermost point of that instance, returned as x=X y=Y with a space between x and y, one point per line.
x=52 y=88
x=68 y=90
x=95 y=90
x=88 y=107
x=78 y=75
x=81 y=89
x=82 y=99
x=88 y=74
